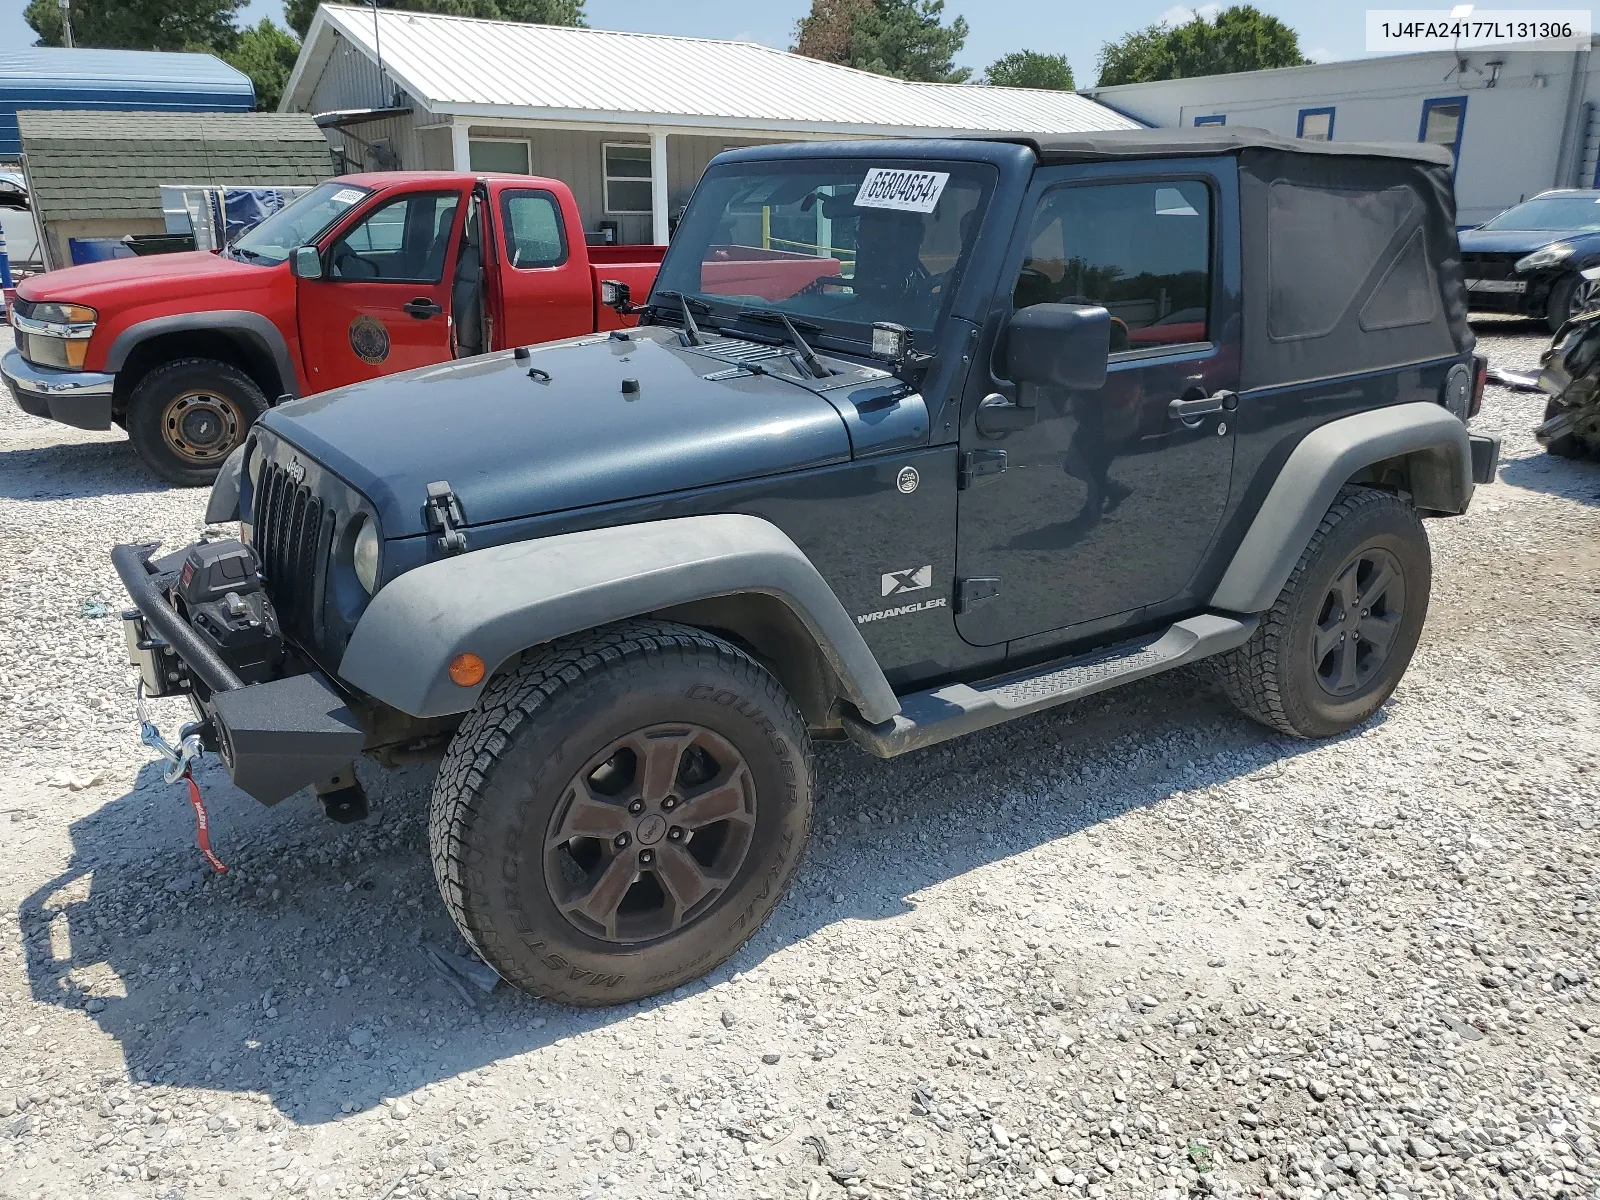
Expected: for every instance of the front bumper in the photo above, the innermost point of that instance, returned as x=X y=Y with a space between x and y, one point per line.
x=78 y=398
x=275 y=738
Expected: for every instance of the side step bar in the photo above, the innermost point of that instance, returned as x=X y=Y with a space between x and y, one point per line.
x=927 y=718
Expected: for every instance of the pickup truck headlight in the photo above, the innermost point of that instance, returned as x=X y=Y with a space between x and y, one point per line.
x=55 y=334
x=1544 y=256
x=365 y=555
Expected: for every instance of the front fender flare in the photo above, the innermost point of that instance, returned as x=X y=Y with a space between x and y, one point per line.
x=258 y=329
x=1433 y=443
x=500 y=601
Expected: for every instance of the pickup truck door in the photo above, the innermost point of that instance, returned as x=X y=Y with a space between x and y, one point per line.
x=383 y=303
x=1097 y=506
x=544 y=290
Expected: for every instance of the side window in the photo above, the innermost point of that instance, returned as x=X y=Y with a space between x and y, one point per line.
x=404 y=241
x=534 y=233
x=1143 y=250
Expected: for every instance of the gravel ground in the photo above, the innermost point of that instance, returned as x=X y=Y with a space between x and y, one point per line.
x=1136 y=947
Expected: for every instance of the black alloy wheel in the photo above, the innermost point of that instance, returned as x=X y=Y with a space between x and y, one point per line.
x=1360 y=616
x=651 y=831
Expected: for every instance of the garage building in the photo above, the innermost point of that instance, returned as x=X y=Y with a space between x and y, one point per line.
x=629 y=121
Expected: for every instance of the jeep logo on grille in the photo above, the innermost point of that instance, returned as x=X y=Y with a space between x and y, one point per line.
x=297 y=471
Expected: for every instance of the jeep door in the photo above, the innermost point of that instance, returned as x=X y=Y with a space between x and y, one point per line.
x=1109 y=497
x=383 y=302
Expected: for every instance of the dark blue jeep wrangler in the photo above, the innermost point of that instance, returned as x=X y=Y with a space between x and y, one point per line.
x=914 y=438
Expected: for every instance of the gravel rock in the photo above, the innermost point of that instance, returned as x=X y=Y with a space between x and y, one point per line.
x=1076 y=955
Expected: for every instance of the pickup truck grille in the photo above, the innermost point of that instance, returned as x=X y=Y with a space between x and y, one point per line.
x=292 y=535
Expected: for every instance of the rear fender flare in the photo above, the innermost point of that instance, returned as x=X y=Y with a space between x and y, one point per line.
x=1424 y=441
x=498 y=602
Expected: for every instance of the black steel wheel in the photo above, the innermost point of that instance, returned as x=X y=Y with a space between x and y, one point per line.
x=1332 y=649
x=185 y=417
x=621 y=812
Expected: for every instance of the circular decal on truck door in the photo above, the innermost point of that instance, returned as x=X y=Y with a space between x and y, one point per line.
x=369 y=339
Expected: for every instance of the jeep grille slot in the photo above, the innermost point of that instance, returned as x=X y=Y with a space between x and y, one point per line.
x=291 y=537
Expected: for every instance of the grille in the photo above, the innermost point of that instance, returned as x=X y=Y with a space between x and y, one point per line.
x=1485 y=266
x=292 y=533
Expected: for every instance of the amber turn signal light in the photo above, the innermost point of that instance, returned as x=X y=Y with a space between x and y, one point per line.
x=466 y=670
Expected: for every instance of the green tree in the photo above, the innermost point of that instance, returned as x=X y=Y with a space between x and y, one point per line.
x=533 y=12
x=138 y=24
x=265 y=52
x=904 y=38
x=1241 y=38
x=1030 y=69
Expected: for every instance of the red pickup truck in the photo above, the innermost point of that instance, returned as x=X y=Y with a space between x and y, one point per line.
x=362 y=276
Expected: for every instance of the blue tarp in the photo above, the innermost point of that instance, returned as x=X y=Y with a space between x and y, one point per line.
x=117 y=80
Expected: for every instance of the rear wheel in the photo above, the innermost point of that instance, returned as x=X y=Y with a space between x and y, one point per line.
x=185 y=417
x=621 y=812
x=1333 y=647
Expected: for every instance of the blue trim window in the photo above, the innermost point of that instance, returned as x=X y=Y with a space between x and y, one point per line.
x=1443 y=121
x=1218 y=119
x=1316 y=125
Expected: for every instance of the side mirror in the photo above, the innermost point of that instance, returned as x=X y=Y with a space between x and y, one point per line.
x=1059 y=345
x=306 y=263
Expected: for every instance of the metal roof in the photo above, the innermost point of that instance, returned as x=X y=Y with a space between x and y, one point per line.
x=479 y=68
x=47 y=77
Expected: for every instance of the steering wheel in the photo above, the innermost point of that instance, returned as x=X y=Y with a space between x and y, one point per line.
x=347 y=264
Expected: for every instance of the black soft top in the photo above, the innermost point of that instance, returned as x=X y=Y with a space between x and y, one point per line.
x=1206 y=140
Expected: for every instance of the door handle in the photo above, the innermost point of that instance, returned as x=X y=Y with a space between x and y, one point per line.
x=1192 y=406
x=421 y=308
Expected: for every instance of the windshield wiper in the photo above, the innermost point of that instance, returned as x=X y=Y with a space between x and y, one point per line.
x=247 y=253
x=691 y=331
x=807 y=355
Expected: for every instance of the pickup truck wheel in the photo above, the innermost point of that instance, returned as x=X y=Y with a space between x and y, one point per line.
x=621 y=812
x=1333 y=647
x=185 y=417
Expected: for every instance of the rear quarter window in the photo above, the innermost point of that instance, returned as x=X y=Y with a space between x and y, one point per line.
x=535 y=234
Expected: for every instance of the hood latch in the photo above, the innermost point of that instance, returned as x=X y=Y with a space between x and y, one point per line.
x=444 y=515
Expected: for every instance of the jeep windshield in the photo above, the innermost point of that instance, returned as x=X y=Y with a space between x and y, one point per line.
x=834 y=244
x=297 y=224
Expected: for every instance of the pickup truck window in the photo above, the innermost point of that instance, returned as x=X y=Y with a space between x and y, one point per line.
x=405 y=240
x=843 y=243
x=535 y=236
x=1143 y=250
x=300 y=223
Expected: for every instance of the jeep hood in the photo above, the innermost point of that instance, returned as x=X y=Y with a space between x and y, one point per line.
x=125 y=281
x=512 y=443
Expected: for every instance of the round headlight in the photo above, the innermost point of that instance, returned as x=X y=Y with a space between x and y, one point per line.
x=364 y=556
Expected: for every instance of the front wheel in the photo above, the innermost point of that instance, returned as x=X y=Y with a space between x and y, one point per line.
x=621 y=812
x=185 y=417
x=1571 y=295
x=1333 y=647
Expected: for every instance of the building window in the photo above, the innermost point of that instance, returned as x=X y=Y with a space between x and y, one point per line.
x=1442 y=122
x=1218 y=119
x=627 y=171
x=1316 y=125
x=510 y=155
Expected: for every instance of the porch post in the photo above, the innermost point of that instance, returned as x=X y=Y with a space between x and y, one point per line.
x=658 y=187
x=460 y=152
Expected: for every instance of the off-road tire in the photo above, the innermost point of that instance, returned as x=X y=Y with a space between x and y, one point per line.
x=534 y=729
x=152 y=398
x=1273 y=678
x=1568 y=445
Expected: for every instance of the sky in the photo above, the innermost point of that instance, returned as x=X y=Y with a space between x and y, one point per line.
x=1076 y=28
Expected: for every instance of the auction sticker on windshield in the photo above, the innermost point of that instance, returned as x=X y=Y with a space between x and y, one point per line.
x=903 y=191
x=347 y=195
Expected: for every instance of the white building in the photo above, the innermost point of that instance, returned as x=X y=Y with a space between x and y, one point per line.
x=1520 y=121
x=628 y=121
